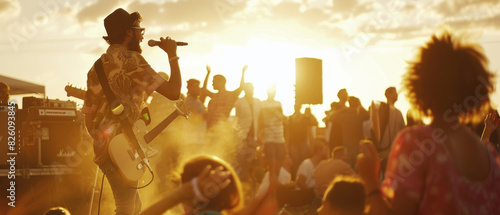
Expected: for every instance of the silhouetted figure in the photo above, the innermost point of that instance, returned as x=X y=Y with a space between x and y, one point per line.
x=193 y=102
x=247 y=114
x=4 y=93
x=297 y=137
x=327 y=170
x=443 y=168
x=305 y=172
x=195 y=127
x=132 y=80
x=335 y=107
x=343 y=98
x=270 y=132
x=222 y=102
x=312 y=124
x=347 y=128
x=391 y=122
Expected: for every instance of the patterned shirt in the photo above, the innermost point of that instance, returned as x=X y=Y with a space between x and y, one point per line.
x=271 y=122
x=132 y=80
x=421 y=168
x=220 y=106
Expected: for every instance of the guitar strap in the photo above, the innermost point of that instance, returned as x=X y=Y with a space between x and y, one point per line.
x=122 y=117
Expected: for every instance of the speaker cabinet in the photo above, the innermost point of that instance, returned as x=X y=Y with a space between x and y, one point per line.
x=51 y=143
x=59 y=140
x=308 y=81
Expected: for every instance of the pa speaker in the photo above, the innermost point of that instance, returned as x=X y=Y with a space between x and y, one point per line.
x=59 y=141
x=308 y=81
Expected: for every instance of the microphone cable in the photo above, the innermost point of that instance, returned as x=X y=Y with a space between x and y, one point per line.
x=100 y=193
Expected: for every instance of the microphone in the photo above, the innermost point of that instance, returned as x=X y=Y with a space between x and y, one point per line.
x=155 y=43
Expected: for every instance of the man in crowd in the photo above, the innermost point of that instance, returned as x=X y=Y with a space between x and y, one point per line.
x=327 y=170
x=391 y=123
x=305 y=173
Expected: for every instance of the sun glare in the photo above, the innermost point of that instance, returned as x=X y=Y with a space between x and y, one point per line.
x=268 y=64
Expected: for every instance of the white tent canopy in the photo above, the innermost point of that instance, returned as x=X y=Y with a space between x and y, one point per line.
x=18 y=87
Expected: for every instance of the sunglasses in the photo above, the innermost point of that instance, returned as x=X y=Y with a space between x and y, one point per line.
x=143 y=30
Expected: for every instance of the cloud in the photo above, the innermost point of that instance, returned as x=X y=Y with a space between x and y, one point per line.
x=292 y=12
x=351 y=8
x=453 y=7
x=338 y=20
x=486 y=22
x=344 y=6
x=414 y=31
x=212 y=12
x=98 y=10
x=187 y=17
x=9 y=8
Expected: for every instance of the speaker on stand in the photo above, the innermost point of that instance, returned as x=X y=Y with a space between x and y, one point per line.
x=308 y=81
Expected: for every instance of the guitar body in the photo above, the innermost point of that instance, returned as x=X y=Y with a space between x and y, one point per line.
x=121 y=151
x=125 y=158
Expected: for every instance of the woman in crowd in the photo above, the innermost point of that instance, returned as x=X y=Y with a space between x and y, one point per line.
x=443 y=168
x=209 y=187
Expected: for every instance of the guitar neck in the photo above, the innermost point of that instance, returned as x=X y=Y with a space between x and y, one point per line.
x=151 y=135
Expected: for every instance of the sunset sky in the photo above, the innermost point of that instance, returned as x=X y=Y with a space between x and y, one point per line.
x=364 y=45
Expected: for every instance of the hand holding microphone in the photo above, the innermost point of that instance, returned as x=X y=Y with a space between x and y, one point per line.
x=168 y=45
x=157 y=43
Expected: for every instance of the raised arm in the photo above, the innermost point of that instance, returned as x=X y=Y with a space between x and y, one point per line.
x=171 y=89
x=204 y=91
x=242 y=81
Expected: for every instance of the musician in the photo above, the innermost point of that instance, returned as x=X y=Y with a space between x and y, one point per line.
x=132 y=80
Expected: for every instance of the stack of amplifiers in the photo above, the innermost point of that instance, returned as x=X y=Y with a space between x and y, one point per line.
x=51 y=136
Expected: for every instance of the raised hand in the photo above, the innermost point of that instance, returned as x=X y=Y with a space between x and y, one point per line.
x=491 y=121
x=208 y=69
x=490 y=124
x=211 y=181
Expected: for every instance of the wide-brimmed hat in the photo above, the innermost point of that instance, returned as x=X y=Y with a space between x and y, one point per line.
x=118 y=22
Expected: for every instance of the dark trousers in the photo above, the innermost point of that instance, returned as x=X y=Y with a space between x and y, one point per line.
x=127 y=199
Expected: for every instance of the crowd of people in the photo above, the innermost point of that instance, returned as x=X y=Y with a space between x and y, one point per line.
x=368 y=162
